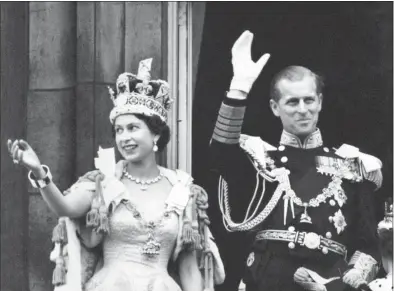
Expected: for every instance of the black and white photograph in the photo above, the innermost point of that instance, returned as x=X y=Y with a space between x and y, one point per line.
x=196 y=146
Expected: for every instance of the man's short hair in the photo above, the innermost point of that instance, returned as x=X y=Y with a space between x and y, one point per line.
x=294 y=73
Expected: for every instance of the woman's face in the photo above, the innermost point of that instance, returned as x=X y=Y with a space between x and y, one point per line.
x=133 y=138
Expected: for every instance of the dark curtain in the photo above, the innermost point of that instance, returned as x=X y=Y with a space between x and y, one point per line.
x=349 y=43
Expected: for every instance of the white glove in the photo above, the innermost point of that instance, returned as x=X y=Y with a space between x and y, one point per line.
x=245 y=70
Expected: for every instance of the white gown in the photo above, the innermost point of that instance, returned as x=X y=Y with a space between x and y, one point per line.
x=125 y=267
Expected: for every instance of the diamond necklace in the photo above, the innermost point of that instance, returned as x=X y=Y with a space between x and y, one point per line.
x=144 y=183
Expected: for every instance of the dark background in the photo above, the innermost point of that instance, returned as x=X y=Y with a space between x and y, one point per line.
x=349 y=43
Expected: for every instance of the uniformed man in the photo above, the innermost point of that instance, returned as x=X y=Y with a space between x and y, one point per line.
x=307 y=206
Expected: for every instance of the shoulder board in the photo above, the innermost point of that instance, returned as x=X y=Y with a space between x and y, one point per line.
x=370 y=166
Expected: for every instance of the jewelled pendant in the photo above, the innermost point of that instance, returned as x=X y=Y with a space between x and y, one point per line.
x=144 y=187
x=151 y=248
x=305 y=218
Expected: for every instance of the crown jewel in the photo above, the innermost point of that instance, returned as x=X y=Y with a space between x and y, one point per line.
x=139 y=94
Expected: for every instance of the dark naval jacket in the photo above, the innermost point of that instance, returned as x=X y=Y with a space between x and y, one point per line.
x=316 y=215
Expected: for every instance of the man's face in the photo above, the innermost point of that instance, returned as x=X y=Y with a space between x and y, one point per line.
x=298 y=107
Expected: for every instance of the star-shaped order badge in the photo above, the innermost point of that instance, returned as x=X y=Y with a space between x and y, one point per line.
x=339 y=221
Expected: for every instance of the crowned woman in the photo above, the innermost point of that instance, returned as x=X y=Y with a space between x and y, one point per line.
x=131 y=225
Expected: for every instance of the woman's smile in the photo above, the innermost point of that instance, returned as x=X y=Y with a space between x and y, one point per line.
x=130 y=147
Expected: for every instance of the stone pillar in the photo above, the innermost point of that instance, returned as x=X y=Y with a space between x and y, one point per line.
x=14 y=62
x=50 y=120
x=109 y=63
x=86 y=50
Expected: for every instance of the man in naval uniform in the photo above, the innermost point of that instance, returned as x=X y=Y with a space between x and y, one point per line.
x=307 y=207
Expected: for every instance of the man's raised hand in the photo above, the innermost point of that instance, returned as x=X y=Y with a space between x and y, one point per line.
x=245 y=69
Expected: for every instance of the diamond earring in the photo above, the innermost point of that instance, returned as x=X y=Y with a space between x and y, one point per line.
x=155 y=148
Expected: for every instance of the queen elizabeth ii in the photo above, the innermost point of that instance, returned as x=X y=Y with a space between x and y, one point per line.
x=131 y=225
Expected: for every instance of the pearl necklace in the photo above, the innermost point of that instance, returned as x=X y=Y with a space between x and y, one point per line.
x=144 y=183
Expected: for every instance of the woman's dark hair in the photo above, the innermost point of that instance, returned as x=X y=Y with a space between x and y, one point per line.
x=156 y=126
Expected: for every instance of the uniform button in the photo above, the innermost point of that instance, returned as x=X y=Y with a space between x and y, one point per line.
x=325 y=250
x=332 y=202
x=326 y=149
x=330 y=219
x=284 y=159
x=291 y=245
x=328 y=235
x=291 y=228
x=250 y=259
x=281 y=148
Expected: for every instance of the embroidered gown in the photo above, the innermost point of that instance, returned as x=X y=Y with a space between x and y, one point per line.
x=125 y=267
x=123 y=261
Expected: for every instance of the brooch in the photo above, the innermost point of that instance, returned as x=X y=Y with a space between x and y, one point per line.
x=339 y=221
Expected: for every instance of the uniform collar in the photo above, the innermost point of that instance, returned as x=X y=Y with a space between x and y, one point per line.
x=314 y=140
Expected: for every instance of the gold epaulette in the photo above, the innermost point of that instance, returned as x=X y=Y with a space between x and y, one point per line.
x=370 y=166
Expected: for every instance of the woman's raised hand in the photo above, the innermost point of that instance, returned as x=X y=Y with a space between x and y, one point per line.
x=245 y=69
x=22 y=153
